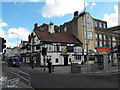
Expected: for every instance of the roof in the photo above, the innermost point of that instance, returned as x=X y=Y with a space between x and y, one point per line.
x=56 y=37
x=99 y=20
x=116 y=28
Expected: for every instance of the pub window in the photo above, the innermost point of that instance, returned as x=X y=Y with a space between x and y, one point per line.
x=37 y=47
x=56 y=60
x=58 y=48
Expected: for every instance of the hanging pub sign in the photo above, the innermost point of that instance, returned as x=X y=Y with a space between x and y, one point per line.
x=102 y=49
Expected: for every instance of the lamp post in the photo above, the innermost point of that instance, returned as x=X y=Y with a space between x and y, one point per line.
x=17 y=41
x=86 y=36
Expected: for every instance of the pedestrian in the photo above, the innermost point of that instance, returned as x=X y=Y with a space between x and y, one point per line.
x=52 y=68
x=49 y=66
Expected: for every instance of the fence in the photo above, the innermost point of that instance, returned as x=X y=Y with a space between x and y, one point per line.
x=24 y=77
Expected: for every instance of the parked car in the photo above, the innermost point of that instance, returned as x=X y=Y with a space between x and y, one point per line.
x=14 y=62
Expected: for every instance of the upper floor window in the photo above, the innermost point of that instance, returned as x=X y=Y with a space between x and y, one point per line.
x=89 y=35
x=104 y=36
x=96 y=44
x=96 y=36
x=89 y=24
x=113 y=38
x=100 y=24
x=109 y=37
x=96 y=24
x=65 y=29
x=100 y=43
x=113 y=44
x=104 y=25
x=100 y=36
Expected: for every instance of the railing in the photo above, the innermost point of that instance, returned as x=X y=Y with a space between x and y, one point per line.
x=25 y=77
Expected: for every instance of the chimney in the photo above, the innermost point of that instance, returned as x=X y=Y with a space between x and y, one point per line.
x=51 y=28
x=76 y=14
x=29 y=39
x=35 y=25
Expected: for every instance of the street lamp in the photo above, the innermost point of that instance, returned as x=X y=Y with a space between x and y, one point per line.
x=17 y=41
x=86 y=36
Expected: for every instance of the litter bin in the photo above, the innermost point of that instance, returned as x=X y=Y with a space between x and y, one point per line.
x=75 y=68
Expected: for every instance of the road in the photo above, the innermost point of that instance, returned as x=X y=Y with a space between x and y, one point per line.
x=40 y=79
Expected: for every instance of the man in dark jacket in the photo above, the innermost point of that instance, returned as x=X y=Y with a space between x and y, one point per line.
x=49 y=66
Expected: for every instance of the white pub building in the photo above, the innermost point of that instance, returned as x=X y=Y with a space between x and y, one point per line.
x=62 y=48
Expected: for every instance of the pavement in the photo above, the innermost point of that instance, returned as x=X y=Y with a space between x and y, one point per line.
x=66 y=70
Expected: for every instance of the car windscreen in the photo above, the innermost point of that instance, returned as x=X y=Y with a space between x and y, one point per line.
x=17 y=60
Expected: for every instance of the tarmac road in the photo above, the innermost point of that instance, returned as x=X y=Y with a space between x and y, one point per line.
x=41 y=79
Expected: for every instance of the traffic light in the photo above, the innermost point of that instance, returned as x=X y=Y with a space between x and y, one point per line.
x=118 y=48
x=2 y=44
x=44 y=51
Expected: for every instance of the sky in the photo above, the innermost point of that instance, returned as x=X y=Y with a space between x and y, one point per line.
x=17 y=19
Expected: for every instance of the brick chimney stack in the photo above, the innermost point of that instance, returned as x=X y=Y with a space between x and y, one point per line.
x=75 y=14
x=35 y=25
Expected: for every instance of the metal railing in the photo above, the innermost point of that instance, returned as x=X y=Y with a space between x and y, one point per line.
x=22 y=75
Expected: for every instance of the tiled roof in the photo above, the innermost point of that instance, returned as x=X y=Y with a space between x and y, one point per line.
x=56 y=37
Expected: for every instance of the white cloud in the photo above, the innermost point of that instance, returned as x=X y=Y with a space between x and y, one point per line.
x=112 y=19
x=3 y=24
x=21 y=33
x=2 y=33
x=61 y=7
x=93 y=4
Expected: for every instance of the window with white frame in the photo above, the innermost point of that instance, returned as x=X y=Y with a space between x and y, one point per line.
x=96 y=36
x=104 y=36
x=96 y=44
x=113 y=44
x=100 y=36
x=113 y=39
x=100 y=44
x=65 y=29
x=89 y=24
x=96 y=24
x=104 y=25
x=109 y=44
x=110 y=38
x=77 y=57
x=89 y=35
x=104 y=44
x=100 y=24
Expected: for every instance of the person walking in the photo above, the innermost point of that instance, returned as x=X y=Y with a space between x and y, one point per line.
x=49 y=66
